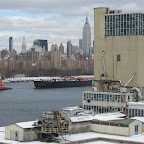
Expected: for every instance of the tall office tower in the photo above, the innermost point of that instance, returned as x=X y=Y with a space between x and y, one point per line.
x=69 y=48
x=24 y=45
x=10 y=44
x=61 y=48
x=86 y=35
x=42 y=43
x=55 y=55
x=80 y=43
x=119 y=39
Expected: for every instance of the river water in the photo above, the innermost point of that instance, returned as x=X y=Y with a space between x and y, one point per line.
x=25 y=103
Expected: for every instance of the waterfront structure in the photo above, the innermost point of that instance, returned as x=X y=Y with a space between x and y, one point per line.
x=69 y=48
x=24 y=45
x=41 y=43
x=10 y=44
x=80 y=43
x=61 y=48
x=86 y=41
x=120 y=37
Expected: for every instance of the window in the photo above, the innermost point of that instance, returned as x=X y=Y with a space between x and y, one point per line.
x=118 y=57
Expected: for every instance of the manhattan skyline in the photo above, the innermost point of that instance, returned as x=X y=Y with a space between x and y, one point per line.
x=51 y=19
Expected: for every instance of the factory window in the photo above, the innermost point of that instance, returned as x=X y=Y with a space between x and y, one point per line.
x=118 y=57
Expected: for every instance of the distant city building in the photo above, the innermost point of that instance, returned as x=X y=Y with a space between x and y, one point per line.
x=61 y=48
x=55 y=55
x=24 y=45
x=33 y=56
x=42 y=43
x=89 y=50
x=69 y=48
x=73 y=49
x=86 y=35
x=10 y=44
x=0 y=56
x=37 y=49
x=80 y=43
x=5 y=54
x=14 y=52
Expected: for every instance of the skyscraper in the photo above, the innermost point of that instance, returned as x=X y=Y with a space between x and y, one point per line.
x=86 y=35
x=69 y=48
x=61 y=48
x=42 y=43
x=10 y=44
x=55 y=55
x=80 y=43
x=24 y=45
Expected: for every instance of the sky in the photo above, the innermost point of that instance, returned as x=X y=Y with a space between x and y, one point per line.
x=59 y=20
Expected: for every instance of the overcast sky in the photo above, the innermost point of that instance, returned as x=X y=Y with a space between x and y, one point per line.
x=59 y=20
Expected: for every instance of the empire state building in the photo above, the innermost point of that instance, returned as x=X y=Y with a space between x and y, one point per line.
x=86 y=36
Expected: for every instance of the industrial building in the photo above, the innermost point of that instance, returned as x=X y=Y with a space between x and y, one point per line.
x=103 y=102
x=118 y=64
x=120 y=36
x=23 y=131
x=136 y=109
x=126 y=127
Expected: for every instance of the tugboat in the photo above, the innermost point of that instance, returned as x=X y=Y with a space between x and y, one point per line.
x=2 y=86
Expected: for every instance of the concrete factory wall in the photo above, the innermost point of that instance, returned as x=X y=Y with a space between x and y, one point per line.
x=117 y=130
x=80 y=128
x=10 y=132
x=22 y=134
x=132 y=129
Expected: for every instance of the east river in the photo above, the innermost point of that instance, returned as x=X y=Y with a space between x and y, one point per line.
x=25 y=103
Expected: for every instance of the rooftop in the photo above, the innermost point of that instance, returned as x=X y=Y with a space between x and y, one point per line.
x=120 y=123
x=26 y=124
x=101 y=117
x=136 y=103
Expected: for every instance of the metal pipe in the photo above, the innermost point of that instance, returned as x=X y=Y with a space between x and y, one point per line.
x=138 y=91
x=129 y=80
x=103 y=61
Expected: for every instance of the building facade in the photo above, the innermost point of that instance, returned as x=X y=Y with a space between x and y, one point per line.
x=55 y=55
x=86 y=41
x=24 y=45
x=103 y=102
x=80 y=43
x=61 y=48
x=136 y=109
x=42 y=43
x=69 y=48
x=120 y=37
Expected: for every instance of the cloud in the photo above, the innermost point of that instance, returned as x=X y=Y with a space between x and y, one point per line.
x=61 y=20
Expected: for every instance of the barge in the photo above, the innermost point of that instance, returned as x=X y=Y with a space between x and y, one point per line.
x=62 y=83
